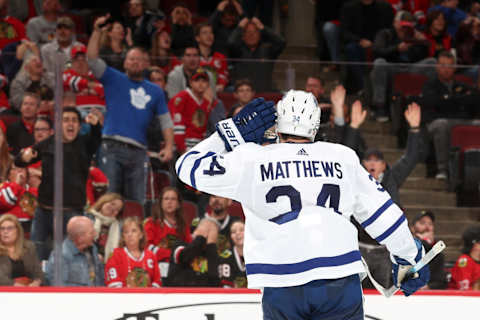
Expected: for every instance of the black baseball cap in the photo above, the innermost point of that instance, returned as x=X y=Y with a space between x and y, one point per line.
x=373 y=152
x=423 y=213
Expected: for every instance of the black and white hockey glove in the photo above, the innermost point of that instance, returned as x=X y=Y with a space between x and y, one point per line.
x=249 y=125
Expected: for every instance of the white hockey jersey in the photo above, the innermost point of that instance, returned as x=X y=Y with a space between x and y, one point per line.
x=297 y=200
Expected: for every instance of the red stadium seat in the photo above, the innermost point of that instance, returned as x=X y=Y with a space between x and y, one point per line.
x=235 y=210
x=133 y=209
x=408 y=84
x=8 y=119
x=156 y=181
x=190 y=212
x=464 y=79
x=464 y=136
x=464 y=139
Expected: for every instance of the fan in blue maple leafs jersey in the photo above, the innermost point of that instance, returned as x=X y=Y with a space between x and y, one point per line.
x=298 y=197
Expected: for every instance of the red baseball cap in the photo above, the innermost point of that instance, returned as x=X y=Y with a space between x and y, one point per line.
x=78 y=49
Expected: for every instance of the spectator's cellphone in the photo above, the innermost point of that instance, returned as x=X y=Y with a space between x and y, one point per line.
x=109 y=21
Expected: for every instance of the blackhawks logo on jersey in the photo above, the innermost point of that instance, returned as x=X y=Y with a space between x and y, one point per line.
x=138 y=278
x=240 y=282
x=200 y=264
x=168 y=241
x=199 y=118
x=28 y=203
x=462 y=263
x=223 y=246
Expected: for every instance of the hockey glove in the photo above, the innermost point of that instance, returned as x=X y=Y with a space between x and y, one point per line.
x=249 y=125
x=408 y=282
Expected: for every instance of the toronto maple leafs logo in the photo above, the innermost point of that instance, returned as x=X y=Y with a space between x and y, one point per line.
x=139 y=98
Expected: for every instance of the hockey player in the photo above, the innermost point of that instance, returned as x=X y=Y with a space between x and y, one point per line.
x=298 y=197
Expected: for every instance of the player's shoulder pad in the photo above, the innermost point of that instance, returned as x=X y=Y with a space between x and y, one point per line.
x=340 y=148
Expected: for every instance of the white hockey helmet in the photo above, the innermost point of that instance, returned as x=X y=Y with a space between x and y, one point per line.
x=298 y=114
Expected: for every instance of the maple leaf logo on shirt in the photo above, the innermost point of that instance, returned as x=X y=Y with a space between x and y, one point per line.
x=139 y=98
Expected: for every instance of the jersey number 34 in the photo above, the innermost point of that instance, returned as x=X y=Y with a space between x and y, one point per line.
x=331 y=191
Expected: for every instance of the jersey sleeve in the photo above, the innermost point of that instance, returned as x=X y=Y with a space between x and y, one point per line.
x=156 y=281
x=208 y=168
x=74 y=82
x=176 y=107
x=381 y=218
x=9 y=193
x=113 y=271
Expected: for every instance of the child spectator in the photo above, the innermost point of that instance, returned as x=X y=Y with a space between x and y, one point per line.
x=42 y=130
x=19 y=265
x=157 y=75
x=107 y=227
x=97 y=185
x=231 y=266
x=132 y=265
x=166 y=226
x=215 y=62
x=244 y=93
x=466 y=272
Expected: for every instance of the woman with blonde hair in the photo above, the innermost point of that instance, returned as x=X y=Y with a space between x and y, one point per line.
x=104 y=215
x=19 y=264
x=132 y=264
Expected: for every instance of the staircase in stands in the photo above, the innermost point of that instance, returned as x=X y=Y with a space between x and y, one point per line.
x=418 y=192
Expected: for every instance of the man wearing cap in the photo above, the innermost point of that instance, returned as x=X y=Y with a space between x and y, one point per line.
x=391 y=178
x=423 y=228
x=80 y=80
x=466 y=272
x=59 y=49
x=190 y=110
x=400 y=44
x=132 y=104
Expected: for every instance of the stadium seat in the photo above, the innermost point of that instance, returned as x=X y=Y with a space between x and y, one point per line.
x=190 y=212
x=464 y=79
x=156 y=181
x=133 y=209
x=235 y=210
x=408 y=84
x=464 y=158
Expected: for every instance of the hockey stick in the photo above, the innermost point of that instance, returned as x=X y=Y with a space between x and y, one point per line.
x=436 y=249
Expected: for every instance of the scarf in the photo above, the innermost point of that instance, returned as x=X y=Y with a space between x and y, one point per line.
x=113 y=239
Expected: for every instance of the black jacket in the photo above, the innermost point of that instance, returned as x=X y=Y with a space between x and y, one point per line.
x=194 y=264
x=18 y=137
x=458 y=101
x=363 y=22
x=77 y=156
x=386 y=46
x=270 y=47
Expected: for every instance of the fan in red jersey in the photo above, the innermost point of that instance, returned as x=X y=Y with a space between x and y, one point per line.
x=466 y=272
x=132 y=265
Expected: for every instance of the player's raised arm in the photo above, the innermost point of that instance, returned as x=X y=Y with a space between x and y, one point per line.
x=208 y=166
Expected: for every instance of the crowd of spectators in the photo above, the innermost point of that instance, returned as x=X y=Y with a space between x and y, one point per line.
x=144 y=68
